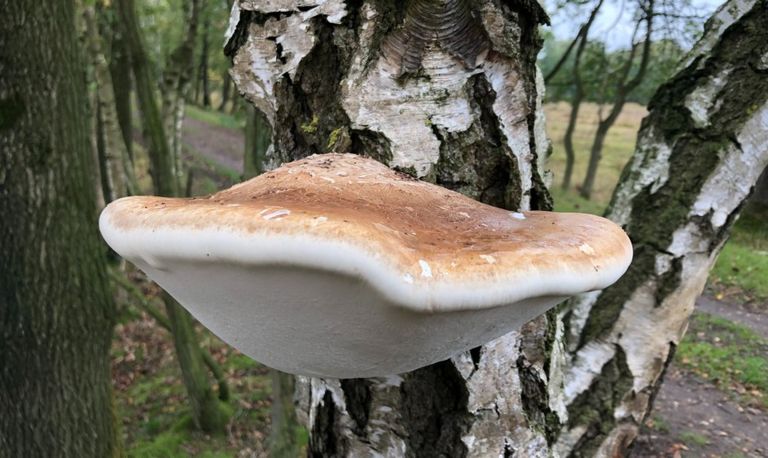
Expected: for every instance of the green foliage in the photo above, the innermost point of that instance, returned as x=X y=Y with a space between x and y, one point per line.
x=601 y=68
x=728 y=353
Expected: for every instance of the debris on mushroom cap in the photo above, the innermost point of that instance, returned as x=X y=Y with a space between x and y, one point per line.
x=389 y=245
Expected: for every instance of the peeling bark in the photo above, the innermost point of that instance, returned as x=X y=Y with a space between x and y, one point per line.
x=700 y=152
x=391 y=81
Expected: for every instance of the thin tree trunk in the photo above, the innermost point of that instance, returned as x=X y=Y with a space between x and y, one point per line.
x=120 y=69
x=282 y=441
x=204 y=65
x=463 y=116
x=118 y=179
x=258 y=138
x=699 y=153
x=285 y=427
x=176 y=84
x=56 y=310
x=624 y=86
x=207 y=413
x=578 y=96
x=225 y=90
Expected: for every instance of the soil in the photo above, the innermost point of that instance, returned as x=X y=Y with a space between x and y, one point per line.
x=217 y=143
x=691 y=417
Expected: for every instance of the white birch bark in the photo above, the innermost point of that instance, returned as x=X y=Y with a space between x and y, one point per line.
x=465 y=113
x=699 y=154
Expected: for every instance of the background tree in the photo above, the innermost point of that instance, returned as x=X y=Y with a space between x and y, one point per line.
x=208 y=414
x=699 y=154
x=56 y=310
x=625 y=83
x=362 y=78
x=580 y=43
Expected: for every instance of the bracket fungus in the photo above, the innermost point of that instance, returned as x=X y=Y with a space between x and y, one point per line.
x=336 y=266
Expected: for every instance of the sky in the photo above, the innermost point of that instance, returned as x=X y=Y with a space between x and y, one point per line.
x=614 y=24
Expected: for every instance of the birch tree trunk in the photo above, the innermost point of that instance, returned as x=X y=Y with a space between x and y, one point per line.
x=459 y=108
x=176 y=79
x=699 y=154
x=118 y=169
x=447 y=91
x=56 y=309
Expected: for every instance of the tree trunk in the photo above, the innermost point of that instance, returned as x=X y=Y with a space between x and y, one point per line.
x=56 y=310
x=226 y=88
x=258 y=137
x=176 y=84
x=120 y=69
x=284 y=423
x=459 y=110
x=699 y=153
x=207 y=412
x=624 y=86
x=117 y=170
x=578 y=96
x=285 y=427
x=203 y=71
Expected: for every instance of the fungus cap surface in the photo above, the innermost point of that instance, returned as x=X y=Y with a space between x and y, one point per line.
x=340 y=254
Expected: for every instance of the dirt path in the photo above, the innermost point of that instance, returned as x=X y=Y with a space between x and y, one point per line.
x=693 y=418
x=696 y=419
x=219 y=144
x=758 y=322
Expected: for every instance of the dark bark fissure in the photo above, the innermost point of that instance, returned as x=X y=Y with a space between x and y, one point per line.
x=478 y=162
x=322 y=442
x=595 y=407
x=434 y=411
x=357 y=395
x=309 y=104
x=536 y=344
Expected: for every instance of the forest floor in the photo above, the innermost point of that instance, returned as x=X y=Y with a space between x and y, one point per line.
x=713 y=403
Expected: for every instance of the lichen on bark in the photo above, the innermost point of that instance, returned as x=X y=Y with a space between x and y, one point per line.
x=699 y=152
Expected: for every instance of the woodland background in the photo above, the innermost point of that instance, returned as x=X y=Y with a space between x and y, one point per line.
x=157 y=63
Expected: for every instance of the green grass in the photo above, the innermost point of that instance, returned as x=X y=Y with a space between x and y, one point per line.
x=694 y=438
x=744 y=260
x=731 y=355
x=215 y=117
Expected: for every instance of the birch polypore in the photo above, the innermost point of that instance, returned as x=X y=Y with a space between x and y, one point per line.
x=337 y=266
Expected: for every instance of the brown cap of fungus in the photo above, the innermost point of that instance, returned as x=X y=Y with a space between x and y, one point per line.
x=415 y=246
